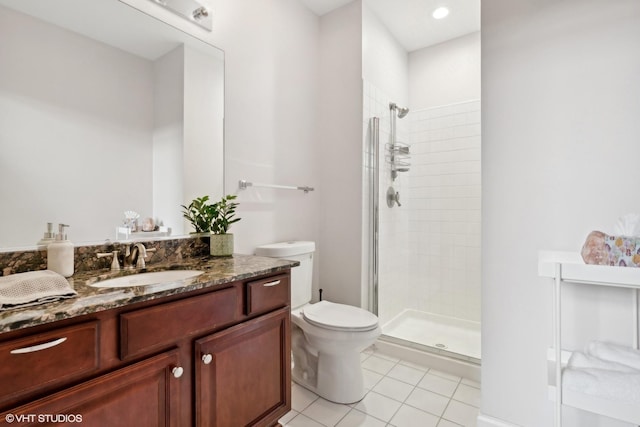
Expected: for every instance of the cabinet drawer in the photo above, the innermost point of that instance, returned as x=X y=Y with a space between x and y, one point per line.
x=144 y=394
x=267 y=294
x=41 y=361
x=153 y=328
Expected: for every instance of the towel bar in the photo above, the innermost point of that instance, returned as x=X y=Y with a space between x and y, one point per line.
x=245 y=184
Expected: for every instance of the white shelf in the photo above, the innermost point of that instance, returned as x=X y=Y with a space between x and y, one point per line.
x=618 y=410
x=568 y=267
x=573 y=269
x=609 y=408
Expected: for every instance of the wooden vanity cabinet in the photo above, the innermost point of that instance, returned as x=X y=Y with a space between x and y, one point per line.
x=243 y=373
x=206 y=358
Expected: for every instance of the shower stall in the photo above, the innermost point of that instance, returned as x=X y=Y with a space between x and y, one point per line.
x=422 y=211
x=421 y=176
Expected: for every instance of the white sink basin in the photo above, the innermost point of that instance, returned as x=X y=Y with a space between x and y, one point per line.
x=143 y=279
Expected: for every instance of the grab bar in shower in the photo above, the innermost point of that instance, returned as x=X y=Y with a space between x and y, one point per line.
x=245 y=184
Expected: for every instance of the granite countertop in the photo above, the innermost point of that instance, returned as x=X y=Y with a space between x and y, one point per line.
x=217 y=271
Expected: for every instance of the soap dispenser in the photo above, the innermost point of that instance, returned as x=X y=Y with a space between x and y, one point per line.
x=48 y=237
x=60 y=253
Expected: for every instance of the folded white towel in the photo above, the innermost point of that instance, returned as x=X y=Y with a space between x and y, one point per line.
x=581 y=360
x=32 y=288
x=614 y=353
x=612 y=385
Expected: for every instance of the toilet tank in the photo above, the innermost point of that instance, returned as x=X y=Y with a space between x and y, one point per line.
x=301 y=276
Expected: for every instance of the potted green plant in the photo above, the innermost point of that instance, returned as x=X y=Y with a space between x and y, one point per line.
x=224 y=211
x=200 y=214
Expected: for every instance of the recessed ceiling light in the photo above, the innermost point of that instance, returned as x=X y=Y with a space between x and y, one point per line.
x=440 y=13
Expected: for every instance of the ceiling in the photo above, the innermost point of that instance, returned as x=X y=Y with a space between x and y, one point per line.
x=410 y=21
x=320 y=7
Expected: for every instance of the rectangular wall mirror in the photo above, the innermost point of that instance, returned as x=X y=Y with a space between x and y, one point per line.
x=103 y=109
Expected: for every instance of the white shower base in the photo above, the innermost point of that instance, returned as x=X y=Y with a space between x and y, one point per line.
x=438 y=334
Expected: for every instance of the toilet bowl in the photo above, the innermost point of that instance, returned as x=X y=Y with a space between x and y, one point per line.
x=328 y=361
x=326 y=337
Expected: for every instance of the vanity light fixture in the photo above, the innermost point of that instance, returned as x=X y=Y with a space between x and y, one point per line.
x=191 y=10
x=200 y=13
x=440 y=13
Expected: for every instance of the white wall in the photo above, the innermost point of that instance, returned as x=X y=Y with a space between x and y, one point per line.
x=445 y=181
x=203 y=123
x=168 y=137
x=385 y=63
x=48 y=110
x=560 y=128
x=446 y=73
x=443 y=204
x=340 y=153
x=271 y=62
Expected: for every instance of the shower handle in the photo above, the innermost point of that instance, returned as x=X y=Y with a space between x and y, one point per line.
x=393 y=197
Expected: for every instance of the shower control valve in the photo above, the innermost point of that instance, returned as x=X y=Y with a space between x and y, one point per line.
x=393 y=197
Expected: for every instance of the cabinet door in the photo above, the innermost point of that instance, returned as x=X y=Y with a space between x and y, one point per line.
x=143 y=394
x=243 y=374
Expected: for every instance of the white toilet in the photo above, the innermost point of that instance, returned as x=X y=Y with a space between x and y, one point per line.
x=326 y=338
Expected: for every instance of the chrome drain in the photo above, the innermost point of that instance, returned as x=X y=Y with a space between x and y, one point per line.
x=441 y=346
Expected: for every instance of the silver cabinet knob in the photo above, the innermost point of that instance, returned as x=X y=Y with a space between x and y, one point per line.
x=177 y=371
x=207 y=358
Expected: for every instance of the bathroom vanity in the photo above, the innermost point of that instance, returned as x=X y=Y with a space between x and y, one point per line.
x=213 y=350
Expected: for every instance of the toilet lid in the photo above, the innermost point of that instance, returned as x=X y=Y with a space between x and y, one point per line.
x=339 y=317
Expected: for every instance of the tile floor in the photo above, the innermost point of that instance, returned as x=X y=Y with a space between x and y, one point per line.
x=399 y=394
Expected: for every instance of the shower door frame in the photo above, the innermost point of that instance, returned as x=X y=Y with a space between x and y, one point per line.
x=374 y=181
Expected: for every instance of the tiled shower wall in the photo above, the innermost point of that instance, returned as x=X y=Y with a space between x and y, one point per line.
x=444 y=210
x=429 y=254
x=394 y=291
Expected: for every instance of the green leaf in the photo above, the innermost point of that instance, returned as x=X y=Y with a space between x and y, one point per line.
x=223 y=214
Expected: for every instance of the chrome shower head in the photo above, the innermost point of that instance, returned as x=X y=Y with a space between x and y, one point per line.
x=399 y=110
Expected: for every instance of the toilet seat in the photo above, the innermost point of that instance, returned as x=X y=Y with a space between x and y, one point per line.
x=339 y=317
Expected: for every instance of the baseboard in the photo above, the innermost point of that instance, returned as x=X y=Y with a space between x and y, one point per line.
x=487 y=421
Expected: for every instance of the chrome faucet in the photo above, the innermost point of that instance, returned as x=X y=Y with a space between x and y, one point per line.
x=135 y=254
x=129 y=258
x=142 y=255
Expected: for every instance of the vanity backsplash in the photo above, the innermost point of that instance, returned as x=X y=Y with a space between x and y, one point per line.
x=85 y=257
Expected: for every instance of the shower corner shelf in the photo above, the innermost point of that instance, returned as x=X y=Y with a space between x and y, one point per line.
x=399 y=148
x=568 y=267
x=399 y=154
